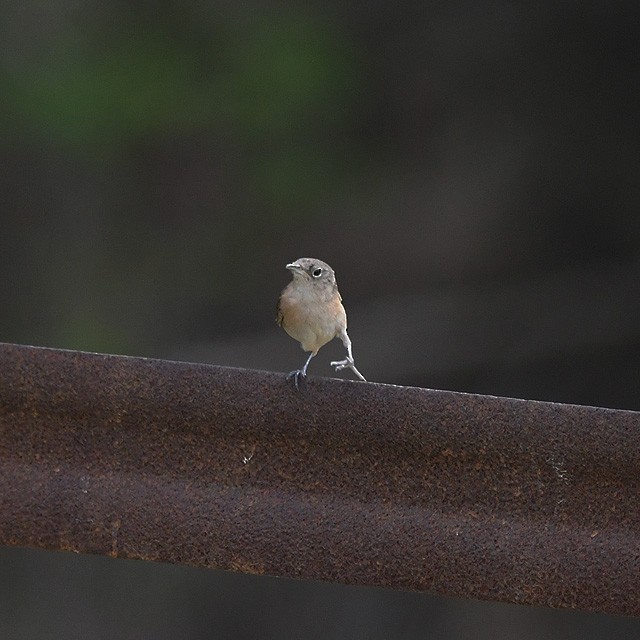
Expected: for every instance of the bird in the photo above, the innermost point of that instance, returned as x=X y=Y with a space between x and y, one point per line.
x=310 y=310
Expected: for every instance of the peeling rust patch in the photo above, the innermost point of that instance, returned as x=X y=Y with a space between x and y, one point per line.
x=365 y=484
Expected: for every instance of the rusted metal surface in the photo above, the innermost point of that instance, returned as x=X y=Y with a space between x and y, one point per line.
x=366 y=484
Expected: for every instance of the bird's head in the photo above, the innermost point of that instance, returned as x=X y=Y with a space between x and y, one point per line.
x=312 y=270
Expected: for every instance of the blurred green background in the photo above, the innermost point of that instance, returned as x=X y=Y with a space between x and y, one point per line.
x=471 y=171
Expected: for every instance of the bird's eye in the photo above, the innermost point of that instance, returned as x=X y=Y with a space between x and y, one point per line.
x=317 y=272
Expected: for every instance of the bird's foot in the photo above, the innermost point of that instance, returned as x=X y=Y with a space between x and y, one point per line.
x=299 y=376
x=347 y=363
x=342 y=364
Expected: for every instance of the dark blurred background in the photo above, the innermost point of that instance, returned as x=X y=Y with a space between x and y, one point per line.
x=471 y=171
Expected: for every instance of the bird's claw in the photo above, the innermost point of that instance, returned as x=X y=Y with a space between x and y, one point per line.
x=342 y=364
x=347 y=363
x=298 y=376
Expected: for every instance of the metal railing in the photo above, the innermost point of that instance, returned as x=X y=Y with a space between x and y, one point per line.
x=360 y=483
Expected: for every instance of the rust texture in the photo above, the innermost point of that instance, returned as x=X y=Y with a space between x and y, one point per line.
x=366 y=484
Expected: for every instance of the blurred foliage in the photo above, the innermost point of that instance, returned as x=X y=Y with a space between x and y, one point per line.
x=200 y=137
x=272 y=84
x=98 y=99
x=163 y=160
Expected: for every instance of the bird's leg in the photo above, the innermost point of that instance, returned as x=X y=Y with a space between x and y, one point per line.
x=300 y=374
x=348 y=361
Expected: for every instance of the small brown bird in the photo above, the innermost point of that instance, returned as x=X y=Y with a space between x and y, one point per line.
x=310 y=310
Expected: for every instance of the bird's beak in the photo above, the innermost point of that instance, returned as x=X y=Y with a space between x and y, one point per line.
x=293 y=266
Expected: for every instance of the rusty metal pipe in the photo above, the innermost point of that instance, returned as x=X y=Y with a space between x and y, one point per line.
x=366 y=484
